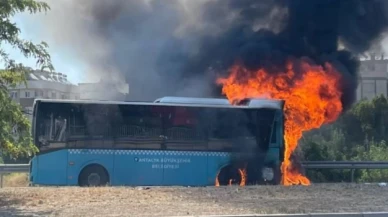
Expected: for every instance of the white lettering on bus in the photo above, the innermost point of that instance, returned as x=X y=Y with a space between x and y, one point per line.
x=165 y=166
x=164 y=163
x=149 y=160
x=176 y=160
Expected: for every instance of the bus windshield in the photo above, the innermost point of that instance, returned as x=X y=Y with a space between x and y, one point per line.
x=152 y=126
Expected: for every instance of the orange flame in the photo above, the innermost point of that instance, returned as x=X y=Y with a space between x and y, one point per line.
x=243 y=176
x=312 y=98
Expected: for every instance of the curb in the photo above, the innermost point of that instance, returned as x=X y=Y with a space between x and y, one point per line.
x=358 y=214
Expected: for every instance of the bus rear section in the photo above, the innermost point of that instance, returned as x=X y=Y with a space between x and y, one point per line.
x=151 y=144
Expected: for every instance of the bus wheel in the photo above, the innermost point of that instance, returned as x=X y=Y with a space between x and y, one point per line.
x=229 y=175
x=93 y=175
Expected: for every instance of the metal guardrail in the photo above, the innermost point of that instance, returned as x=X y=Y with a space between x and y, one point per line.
x=345 y=164
x=352 y=165
x=12 y=168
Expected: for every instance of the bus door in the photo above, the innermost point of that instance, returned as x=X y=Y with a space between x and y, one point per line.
x=276 y=148
x=51 y=128
x=185 y=157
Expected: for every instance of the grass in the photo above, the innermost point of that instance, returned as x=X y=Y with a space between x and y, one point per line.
x=15 y=180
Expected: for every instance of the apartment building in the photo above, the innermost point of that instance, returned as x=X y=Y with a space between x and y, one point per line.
x=44 y=85
x=373 y=79
x=104 y=90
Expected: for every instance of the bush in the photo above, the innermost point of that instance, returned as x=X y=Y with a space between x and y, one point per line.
x=359 y=134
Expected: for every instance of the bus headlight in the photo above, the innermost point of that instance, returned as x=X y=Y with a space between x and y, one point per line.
x=267 y=174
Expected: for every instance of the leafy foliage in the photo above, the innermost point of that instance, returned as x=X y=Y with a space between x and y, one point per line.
x=360 y=134
x=15 y=137
x=378 y=152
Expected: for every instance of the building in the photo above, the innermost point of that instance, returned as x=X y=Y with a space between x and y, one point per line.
x=47 y=85
x=44 y=85
x=103 y=90
x=373 y=79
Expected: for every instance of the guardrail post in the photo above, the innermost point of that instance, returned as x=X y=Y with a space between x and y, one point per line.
x=1 y=182
x=352 y=175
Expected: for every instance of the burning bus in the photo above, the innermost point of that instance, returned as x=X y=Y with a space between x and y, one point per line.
x=176 y=141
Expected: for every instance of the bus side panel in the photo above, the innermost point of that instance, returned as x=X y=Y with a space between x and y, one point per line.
x=80 y=158
x=33 y=169
x=138 y=167
x=186 y=168
x=52 y=168
x=216 y=161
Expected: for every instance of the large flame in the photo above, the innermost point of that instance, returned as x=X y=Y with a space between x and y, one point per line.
x=312 y=98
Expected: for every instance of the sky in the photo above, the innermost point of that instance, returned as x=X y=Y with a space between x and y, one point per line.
x=62 y=63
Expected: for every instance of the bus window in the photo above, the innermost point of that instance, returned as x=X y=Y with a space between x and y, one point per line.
x=183 y=117
x=139 y=127
x=265 y=120
x=274 y=134
x=52 y=125
x=231 y=124
x=230 y=129
x=183 y=129
x=238 y=130
x=139 y=122
x=97 y=118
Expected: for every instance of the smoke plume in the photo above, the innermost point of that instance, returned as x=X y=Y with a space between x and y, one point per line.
x=178 y=47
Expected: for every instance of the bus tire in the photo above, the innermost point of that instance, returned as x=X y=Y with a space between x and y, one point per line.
x=93 y=175
x=229 y=172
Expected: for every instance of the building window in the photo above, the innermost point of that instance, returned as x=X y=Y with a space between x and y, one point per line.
x=371 y=67
x=38 y=93
x=14 y=95
x=369 y=89
x=27 y=94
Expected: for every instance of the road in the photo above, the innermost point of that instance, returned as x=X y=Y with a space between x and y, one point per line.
x=167 y=201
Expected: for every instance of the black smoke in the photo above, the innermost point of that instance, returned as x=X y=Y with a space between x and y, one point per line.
x=179 y=47
x=312 y=29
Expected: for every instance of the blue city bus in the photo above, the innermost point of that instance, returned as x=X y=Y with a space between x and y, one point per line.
x=173 y=141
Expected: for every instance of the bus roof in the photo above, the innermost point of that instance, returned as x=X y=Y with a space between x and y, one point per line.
x=220 y=101
x=183 y=101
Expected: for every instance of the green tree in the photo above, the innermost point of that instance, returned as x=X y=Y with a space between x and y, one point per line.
x=326 y=144
x=377 y=152
x=367 y=121
x=15 y=138
x=359 y=134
